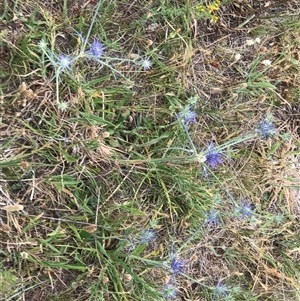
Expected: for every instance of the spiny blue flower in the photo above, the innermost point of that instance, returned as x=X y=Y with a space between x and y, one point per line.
x=212 y=217
x=169 y=291
x=187 y=116
x=143 y=238
x=221 y=289
x=266 y=129
x=213 y=156
x=146 y=236
x=176 y=266
x=146 y=64
x=96 y=49
x=245 y=209
x=64 y=62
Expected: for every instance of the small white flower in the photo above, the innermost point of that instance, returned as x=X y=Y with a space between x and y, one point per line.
x=257 y=40
x=237 y=57
x=24 y=255
x=146 y=64
x=266 y=62
x=250 y=42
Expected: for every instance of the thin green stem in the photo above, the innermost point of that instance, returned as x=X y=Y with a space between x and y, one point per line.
x=57 y=85
x=190 y=139
x=237 y=140
x=91 y=26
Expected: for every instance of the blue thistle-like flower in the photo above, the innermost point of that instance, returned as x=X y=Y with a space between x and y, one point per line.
x=266 y=129
x=64 y=62
x=212 y=217
x=245 y=209
x=176 y=266
x=213 y=156
x=143 y=238
x=169 y=292
x=221 y=289
x=96 y=49
x=187 y=116
x=146 y=64
x=146 y=236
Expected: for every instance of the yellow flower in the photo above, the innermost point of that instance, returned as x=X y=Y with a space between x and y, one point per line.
x=215 y=19
x=213 y=7
x=200 y=7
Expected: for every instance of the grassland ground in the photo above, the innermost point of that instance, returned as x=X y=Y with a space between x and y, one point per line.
x=149 y=150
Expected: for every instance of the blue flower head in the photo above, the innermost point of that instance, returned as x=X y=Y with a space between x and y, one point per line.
x=245 y=209
x=146 y=236
x=176 y=266
x=221 y=289
x=187 y=116
x=213 y=156
x=212 y=217
x=169 y=291
x=64 y=62
x=146 y=64
x=143 y=238
x=266 y=128
x=96 y=49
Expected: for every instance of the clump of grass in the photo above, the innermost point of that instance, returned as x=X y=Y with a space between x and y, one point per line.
x=8 y=283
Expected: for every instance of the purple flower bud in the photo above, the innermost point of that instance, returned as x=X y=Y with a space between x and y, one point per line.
x=169 y=292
